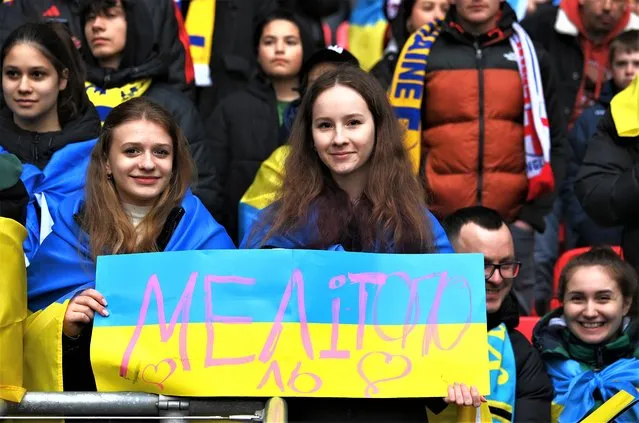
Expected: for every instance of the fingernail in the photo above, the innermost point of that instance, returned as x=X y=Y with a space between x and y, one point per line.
x=105 y=313
x=104 y=302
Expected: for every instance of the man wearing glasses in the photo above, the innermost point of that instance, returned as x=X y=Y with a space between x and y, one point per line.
x=482 y=230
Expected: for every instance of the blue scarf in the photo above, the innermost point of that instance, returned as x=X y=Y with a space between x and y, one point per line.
x=574 y=387
x=63 y=176
x=63 y=266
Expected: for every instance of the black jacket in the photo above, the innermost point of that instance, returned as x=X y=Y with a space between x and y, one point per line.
x=36 y=149
x=608 y=184
x=245 y=131
x=233 y=62
x=534 y=391
x=161 y=20
x=140 y=61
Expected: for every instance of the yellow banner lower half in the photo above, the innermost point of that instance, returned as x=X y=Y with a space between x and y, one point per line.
x=195 y=359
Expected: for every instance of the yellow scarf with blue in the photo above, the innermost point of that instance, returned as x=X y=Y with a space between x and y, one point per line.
x=105 y=99
x=407 y=88
x=200 y=24
x=500 y=407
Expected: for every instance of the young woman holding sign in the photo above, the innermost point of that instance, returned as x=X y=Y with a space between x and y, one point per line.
x=137 y=200
x=591 y=344
x=348 y=186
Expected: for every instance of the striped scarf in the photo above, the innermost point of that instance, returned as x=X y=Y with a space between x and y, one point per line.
x=200 y=22
x=407 y=92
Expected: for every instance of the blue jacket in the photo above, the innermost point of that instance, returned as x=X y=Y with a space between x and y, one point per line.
x=62 y=266
x=586 y=231
x=300 y=240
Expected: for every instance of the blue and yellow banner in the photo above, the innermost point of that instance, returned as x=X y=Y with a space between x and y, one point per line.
x=291 y=323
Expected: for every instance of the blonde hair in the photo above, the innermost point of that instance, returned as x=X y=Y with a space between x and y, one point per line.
x=109 y=228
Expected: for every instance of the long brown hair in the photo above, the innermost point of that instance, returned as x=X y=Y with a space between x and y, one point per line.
x=391 y=214
x=54 y=41
x=110 y=229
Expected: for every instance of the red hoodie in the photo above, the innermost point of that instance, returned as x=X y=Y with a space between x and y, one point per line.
x=596 y=66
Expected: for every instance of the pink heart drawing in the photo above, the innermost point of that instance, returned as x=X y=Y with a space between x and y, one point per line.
x=157 y=374
x=371 y=388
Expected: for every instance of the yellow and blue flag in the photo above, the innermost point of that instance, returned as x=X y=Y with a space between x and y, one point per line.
x=291 y=323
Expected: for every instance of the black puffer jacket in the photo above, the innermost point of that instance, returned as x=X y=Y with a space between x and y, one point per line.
x=141 y=61
x=233 y=62
x=160 y=19
x=36 y=149
x=608 y=184
x=245 y=130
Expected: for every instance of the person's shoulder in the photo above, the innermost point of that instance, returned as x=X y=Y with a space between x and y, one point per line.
x=168 y=96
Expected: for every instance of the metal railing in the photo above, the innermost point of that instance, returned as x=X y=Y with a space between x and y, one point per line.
x=130 y=406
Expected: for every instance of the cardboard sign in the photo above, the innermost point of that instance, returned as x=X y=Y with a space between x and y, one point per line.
x=291 y=323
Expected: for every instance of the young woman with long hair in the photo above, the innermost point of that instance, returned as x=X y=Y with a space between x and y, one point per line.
x=137 y=200
x=348 y=185
x=46 y=121
x=347 y=179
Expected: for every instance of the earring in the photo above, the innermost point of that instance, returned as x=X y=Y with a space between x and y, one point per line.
x=110 y=176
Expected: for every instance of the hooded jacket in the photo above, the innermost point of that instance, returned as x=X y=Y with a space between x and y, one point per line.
x=472 y=120
x=233 y=62
x=35 y=151
x=141 y=60
x=245 y=131
x=607 y=184
x=558 y=30
x=586 y=230
x=165 y=29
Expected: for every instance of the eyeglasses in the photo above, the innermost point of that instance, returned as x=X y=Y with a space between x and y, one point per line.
x=507 y=270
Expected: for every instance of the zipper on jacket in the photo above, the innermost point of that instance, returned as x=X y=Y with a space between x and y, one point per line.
x=599 y=358
x=480 y=158
x=34 y=148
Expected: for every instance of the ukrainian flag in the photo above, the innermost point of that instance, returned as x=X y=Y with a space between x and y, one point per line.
x=263 y=191
x=13 y=311
x=366 y=32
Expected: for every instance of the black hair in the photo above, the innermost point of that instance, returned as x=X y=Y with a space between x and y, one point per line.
x=99 y=7
x=479 y=215
x=55 y=42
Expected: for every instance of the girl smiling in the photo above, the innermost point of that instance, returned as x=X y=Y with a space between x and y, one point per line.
x=591 y=344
